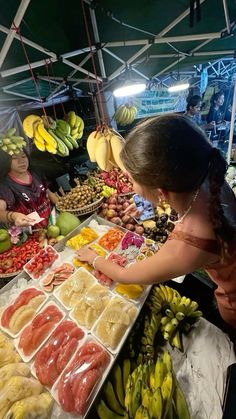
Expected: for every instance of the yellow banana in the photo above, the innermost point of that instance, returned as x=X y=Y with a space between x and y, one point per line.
x=49 y=140
x=142 y=413
x=28 y=124
x=116 y=147
x=92 y=143
x=102 y=152
x=167 y=392
x=37 y=136
x=159 y=373
x=156 y=406
x=39 y=146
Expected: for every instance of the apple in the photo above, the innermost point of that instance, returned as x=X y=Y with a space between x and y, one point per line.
x=111 y=213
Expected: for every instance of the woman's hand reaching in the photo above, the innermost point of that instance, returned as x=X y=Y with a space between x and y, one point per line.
x=86 y=254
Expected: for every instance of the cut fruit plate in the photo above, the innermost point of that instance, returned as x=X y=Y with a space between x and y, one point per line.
x=58 y=274
x=114 y=324
x=74 y=287
x=35 y=334
x=41 y=263
x=22 y=310
x=90 y=306
x=76 y=388
x=55 y=354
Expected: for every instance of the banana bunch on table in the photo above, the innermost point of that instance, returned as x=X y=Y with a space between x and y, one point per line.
x=149 y=391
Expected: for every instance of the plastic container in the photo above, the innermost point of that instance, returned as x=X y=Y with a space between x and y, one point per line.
x=76 y=388
x=44 y=267
x=57 y=276
x=90 y=306
x=31 y=335
x=77 y=285
x=130 y=246
x=111 y=244
x=54 y=356
x=33 y=306
x=115 y=322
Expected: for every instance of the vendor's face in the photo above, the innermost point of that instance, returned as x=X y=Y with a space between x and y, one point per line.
x=195 y=109
x=20 y=163
x=220 y=100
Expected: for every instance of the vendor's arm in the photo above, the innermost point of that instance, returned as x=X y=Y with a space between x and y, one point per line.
x=174 y=259
x=52 y=196
x=17 y=218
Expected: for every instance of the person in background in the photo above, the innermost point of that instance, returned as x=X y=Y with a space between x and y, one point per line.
x=170 y=158
x=215 y=113
x=22 y=192
x=193 y=111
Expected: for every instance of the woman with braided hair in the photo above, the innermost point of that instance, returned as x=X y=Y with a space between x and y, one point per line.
x=170 y=158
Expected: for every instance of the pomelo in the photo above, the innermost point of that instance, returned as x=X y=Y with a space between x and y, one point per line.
x=67 y=222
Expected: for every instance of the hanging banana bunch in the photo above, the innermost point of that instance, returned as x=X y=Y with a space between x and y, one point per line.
x=104 y=146
x=11 y=142
x=125 y=114
x=54 y=136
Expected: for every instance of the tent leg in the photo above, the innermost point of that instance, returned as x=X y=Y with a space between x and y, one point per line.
x=231 y=133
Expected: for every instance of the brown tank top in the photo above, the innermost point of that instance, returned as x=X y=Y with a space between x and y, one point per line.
x=222 y=273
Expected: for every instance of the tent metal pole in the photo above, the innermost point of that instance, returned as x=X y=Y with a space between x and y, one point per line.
x=97 y=40
x=164 y=40
x=17 y=83
x=145 y=47
x=227 y=18
x=49 y=80
x=194 y=54
x=28 y=42
x=81 y=69
x=181 y=59
x=232 y=121
x=21 y=95
x=16 y=22
x=78 y=52
x=22 y=68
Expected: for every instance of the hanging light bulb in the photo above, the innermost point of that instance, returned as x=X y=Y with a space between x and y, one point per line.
x=178 y=87
x=129 y=88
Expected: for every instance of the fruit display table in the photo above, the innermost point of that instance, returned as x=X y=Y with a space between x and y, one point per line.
x=200 y=369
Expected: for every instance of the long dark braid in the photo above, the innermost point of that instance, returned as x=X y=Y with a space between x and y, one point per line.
x=216 y=177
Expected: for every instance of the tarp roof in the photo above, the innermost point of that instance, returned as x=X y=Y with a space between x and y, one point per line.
x=130 y=32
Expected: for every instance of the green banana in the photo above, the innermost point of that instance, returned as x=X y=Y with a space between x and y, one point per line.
x=169 y=313
x=136 y=398
x=118 y=384
x=61 y=146
x=111 y=399
x=180 y=316
x=192 y=307
x=195 y=314
x=59 y=133
x=181 y=406
x=10 y=132
x=64 y=126
x=104 y=412
x=73 y=142
x=126 y=369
